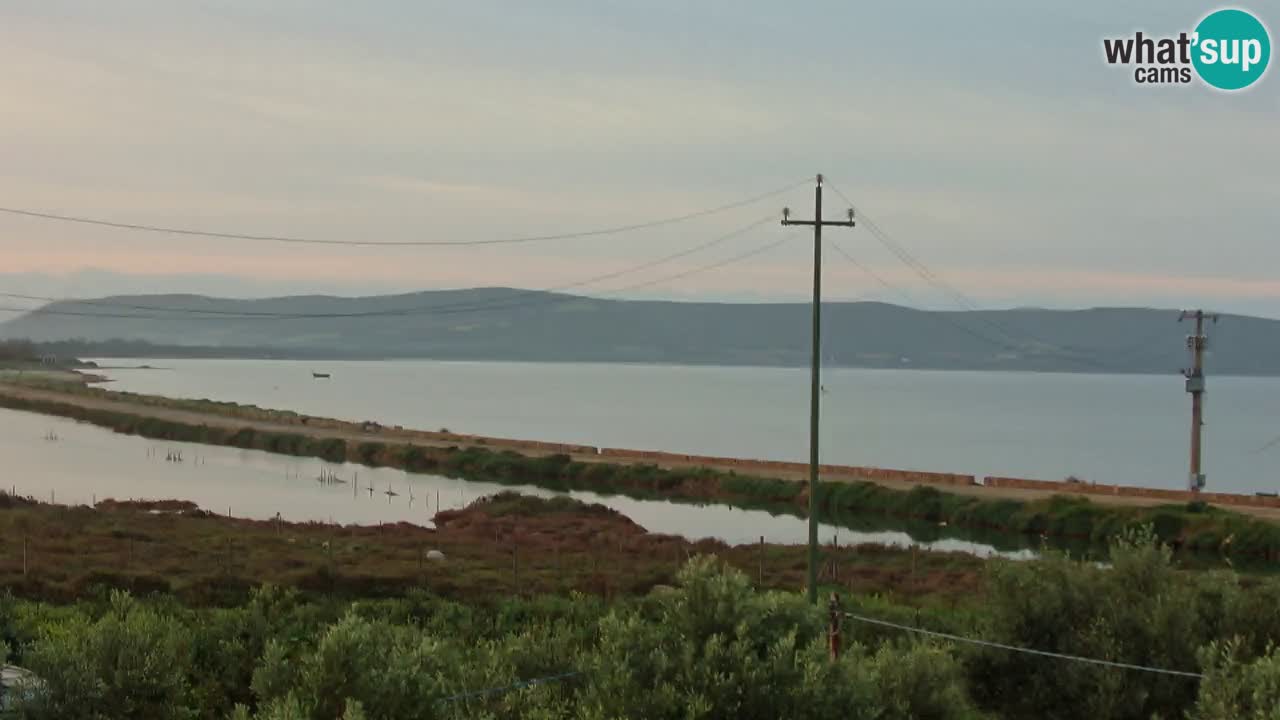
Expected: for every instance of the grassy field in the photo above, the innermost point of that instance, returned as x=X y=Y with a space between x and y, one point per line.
x=507 y=545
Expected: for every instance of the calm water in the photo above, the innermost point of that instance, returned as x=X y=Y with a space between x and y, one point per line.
x=1107 y=429
x=86 y=463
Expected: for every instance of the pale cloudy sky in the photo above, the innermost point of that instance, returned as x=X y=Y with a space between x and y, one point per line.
x=987 y=137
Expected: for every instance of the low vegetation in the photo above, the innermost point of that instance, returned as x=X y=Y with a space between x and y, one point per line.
x=710 y=647
x=18 y=351
x=505 y=545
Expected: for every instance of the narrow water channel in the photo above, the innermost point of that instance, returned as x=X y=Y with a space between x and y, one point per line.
x=61 y=460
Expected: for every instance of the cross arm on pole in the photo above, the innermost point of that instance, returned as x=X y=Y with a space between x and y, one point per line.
x=1192 y=314
x=786 y=220
x=823 y=223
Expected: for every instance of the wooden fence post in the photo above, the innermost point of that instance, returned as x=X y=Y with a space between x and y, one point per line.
x=760 y=580
x=913 y=566
x=835 y=559
x=833 y=627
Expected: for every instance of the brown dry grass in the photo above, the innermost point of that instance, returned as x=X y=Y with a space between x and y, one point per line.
x=72 y=552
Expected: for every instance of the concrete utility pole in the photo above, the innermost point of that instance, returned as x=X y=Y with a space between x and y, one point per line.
x=1195 y=385
x=815 y=389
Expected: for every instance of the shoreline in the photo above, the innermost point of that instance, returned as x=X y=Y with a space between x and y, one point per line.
x=81 y=376
x=1033 y=512
x=86 y=391
x=1037 y=511
x=664 y=363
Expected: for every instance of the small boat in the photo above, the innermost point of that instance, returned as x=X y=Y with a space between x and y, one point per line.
x=317 y=375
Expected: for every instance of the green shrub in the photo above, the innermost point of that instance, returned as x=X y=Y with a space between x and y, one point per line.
x=1238 y=685
x=128 y=664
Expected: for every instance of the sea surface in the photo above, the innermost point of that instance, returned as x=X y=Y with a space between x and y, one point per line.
x=1125 y=429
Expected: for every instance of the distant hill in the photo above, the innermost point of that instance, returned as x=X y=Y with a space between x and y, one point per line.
x=506 y=324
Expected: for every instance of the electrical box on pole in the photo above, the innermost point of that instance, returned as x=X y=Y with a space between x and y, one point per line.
x=1196 y=345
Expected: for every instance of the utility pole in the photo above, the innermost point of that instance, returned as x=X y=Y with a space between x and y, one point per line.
x=814 y=388
x=1195 y=385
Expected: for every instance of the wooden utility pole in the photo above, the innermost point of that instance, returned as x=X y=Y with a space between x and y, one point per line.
x=1195 y=385
x=814 y=387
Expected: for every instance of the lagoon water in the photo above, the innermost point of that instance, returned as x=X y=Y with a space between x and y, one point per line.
x=60 y=460
x=1126 y=429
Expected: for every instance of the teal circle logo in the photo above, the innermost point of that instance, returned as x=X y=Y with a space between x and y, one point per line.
x=1231 y=49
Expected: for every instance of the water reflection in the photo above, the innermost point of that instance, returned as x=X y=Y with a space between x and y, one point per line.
x=81 y=464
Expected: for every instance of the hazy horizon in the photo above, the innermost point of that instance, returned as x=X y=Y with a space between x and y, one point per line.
x=113 y=285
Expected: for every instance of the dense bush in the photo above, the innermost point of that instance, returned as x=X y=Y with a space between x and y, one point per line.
x=710 y=648
x=130 y=662
x=1137 y=610
x=1237 y=685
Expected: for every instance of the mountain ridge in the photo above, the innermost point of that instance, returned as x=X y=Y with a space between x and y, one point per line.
x=535 y=325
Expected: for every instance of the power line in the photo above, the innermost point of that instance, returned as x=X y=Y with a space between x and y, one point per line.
x=248 y=314
x=1014 y=340
x=72 y=313
x=933 y=278
x=1029 y=651
x=907 y=258
x=1142 y=349
x=873 y=274
x=540 y=296
x=1007 y=343
x=758 y=250
x=1270 y=444
x=1139 y=349
x=940 y=316
x=395 y=243
x=508 y=688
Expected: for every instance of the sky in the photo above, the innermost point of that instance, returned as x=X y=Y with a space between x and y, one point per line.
x=988 y=138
